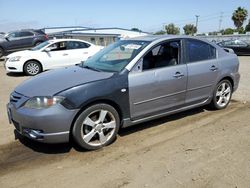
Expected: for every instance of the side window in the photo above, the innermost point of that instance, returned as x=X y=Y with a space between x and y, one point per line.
x=101 y=41
x=92 y=40
x=58 y=46
x=163 y=55
x=241 y=43
x=71 y=45
x=199 y=51
x=26 y=34
x=13 y=35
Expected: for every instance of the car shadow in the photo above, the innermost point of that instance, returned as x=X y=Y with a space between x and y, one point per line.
x=67 y=147
x=162 y=120
x=12 y=74
x=47 y=148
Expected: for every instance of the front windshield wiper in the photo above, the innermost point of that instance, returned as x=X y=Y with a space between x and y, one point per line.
x=91 y=68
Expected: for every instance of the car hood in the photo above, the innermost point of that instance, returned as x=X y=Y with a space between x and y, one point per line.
x=2 y=39
x=55 y=81
x=22 y=53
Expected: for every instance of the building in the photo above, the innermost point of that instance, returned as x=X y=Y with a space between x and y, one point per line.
x=98 y=36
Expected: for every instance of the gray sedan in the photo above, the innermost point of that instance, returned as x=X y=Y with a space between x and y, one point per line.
x=129 y=82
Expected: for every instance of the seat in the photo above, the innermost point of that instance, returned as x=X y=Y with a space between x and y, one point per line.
x=167 y=57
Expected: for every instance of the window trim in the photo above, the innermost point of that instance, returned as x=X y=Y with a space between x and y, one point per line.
x=186 y=55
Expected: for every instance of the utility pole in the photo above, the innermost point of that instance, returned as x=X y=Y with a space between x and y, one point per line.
x=220 y=20
x=197 y=20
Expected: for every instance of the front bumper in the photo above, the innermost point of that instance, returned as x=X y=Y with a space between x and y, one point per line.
x=51 y=125
x=16 y=66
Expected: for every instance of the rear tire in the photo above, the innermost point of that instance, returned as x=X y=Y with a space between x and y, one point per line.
x=32 y=68
x=96 y=127
x=222 y=95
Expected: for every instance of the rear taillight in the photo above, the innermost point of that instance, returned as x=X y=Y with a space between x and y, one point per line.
x=46 y=36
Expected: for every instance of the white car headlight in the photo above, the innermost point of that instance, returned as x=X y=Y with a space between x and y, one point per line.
x=16 y=58
x=43 y=102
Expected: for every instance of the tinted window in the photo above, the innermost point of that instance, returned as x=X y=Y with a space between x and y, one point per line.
x=26 y=34
x=14 y=35
x=163 y=55
x=76 y=45
x=199 y=51
x=240 y=43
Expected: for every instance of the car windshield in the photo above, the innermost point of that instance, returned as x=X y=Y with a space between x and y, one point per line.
x=40 y=46
x=116 y=56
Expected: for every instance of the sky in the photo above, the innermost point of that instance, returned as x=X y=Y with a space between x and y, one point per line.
x=147 y=15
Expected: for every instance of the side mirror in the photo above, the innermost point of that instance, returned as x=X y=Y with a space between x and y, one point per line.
x=47 y=49
x=7 y=38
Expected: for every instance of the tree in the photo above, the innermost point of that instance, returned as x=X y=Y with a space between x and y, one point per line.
x=135 y=29
x=240 y=30
x=239 y=16
x=228 y=31
x=160 y=32
x=189 y=29
x=172 y=30
x=247 y=28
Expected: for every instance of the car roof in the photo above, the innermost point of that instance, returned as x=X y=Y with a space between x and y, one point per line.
x=61 y=40
x=151 y=38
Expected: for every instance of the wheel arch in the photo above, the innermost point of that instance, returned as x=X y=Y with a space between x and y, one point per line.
x=33 y=60
x=98 y=101
x=229 y=78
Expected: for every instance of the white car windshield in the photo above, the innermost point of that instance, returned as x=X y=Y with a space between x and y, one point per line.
x=116 y=56
x=40 y=46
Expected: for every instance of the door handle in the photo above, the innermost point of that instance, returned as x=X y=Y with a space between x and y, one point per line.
x=65 y=54
x=213 y=68
x=178 y=75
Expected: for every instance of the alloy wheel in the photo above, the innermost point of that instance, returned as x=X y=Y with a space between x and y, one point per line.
x=223 y=94
x=33 y=68
x=98 y=127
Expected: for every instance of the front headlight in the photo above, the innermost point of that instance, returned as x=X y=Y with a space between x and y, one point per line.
x=43 y=102
x=16 y=58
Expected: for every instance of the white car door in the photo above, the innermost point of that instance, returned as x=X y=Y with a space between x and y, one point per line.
x=57 y=56
x=79 y=51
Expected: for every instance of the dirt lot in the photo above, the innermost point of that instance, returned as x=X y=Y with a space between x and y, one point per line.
x=197 y=148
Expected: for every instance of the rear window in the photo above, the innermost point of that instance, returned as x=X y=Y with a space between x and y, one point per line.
x=40 y=32
x=199 y=51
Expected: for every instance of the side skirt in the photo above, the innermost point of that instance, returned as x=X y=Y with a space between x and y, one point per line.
x=128 y=122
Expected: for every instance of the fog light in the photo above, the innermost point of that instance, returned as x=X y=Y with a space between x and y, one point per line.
x=34 y=134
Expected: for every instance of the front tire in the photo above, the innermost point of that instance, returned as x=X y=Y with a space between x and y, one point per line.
x=96 y=127
x=32 y=68
x=1 y=52
x=222 y=95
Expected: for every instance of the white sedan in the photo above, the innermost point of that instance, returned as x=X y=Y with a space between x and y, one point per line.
x=50 y=55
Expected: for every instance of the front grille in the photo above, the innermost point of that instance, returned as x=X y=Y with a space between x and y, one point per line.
x=15 y=97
